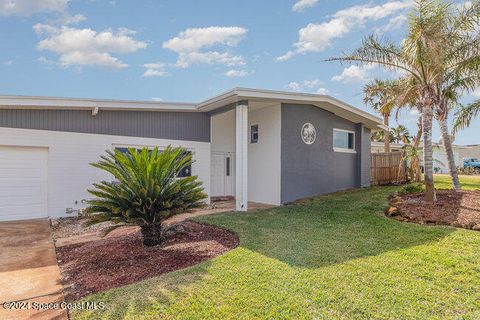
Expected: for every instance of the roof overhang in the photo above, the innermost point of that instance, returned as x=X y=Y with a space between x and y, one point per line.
x=325 y=102
x=53 y=103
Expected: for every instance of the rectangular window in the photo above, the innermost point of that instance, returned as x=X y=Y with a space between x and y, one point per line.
x=186 y=172
x=343 y=140
x=254 y=133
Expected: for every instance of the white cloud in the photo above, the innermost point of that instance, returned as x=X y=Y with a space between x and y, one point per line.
x=29 y=7
x=309 y=86
x=300 y=5
x=236 y=73
x=87 y=47
x=192 y=46
x=157 y=99
x=155 y=70
x=318 y=37
x=311 y=83
x=294 y=86
x=354 y=74
x=8 y=62
x=393 y=24
x=323 y=91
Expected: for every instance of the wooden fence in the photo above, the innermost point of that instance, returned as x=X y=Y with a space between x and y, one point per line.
x=387 y=168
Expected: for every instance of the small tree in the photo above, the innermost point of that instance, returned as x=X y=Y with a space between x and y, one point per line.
x=147 y=190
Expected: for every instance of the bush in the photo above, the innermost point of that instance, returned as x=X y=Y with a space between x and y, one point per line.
x=468 y=170
x=411 y=188
x=146 y=191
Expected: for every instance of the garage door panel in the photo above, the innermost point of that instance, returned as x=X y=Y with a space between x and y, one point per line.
x=23 y=183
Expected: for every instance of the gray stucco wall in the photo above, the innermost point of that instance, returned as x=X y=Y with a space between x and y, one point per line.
x=309 y=170
x=192 y=126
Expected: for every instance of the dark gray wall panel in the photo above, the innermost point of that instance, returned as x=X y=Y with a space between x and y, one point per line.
x=309 y=170
x=194 y=126
x=366 y=158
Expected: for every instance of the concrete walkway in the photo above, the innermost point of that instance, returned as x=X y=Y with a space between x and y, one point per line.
x=28 y=270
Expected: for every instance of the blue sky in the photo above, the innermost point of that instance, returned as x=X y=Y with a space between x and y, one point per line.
x=190 y=50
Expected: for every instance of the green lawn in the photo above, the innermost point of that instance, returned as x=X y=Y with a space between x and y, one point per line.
x=338 y=257
x=443 y=181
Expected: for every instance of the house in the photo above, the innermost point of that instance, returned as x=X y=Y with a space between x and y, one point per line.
x=378 y=147
x=440 y=162
x=255 y=145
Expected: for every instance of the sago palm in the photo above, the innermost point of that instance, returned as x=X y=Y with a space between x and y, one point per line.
x=146 y=190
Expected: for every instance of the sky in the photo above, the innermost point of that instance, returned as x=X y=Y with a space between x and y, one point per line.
x=190 y=50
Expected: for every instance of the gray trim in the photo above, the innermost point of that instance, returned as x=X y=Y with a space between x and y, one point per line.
x=191 y=126
x=364 y=156
x=310 y=170
x=226 y=108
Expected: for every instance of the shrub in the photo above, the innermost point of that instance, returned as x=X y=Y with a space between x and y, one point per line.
x=146 y=191
x=411 y=188
x=468 y=170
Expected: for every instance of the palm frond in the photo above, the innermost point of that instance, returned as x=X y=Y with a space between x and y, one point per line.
x=465 y=115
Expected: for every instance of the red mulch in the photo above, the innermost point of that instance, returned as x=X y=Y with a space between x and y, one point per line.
x=459 y=209
x=113 y=262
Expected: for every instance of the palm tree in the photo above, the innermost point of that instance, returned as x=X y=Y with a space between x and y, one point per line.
x=459 y=65
x=380 y=96
x=146 y=191
x=465 y=115
x=400 y=134
x=440 y=58
x=414 y=57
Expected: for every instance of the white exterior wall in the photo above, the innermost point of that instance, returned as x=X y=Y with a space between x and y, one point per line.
x=222 y=128
x=69 y=155
x=264 y=157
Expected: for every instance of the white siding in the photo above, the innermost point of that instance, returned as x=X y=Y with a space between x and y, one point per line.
x=69 y=172
x=264 y=157
x=223 y=132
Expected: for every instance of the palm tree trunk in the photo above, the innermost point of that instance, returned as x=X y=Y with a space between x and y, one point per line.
x=418 y=174
x=427 y=116
x=447 y=144
x=152 y=235
x=386 y=133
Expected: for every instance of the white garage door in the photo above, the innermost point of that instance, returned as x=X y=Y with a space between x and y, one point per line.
x=23 y=183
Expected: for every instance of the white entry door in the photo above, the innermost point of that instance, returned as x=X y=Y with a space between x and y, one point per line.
x=23 y=183
x=223 y=174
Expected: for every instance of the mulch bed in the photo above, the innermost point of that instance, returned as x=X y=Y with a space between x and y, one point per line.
x=458 y=209
x=112 y=262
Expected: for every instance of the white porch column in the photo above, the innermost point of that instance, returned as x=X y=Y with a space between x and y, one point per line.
x=241 y=156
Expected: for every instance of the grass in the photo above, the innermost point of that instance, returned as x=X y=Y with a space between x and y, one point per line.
x=443 y=181
x=337 y=257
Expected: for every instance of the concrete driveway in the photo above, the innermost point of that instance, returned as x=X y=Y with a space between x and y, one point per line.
x=28 y=270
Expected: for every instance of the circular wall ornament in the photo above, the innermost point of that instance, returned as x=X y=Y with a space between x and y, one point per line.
x=308 y=133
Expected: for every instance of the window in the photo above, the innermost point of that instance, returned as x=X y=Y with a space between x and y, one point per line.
x=254 y=134
x=343 y=140
x=185 y=172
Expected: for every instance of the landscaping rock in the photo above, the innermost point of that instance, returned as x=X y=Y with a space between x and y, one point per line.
x=392 y=212
x=457 y=209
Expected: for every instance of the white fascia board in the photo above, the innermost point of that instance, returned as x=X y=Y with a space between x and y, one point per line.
x=326 y=102
x=24 y=102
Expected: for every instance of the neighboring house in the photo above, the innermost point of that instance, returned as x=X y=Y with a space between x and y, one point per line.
x=380 y=147
x=255 y=145
x=459 y=152
x=439 y=156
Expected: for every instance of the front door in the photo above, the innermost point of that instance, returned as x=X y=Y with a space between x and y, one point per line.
x=222 y=174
